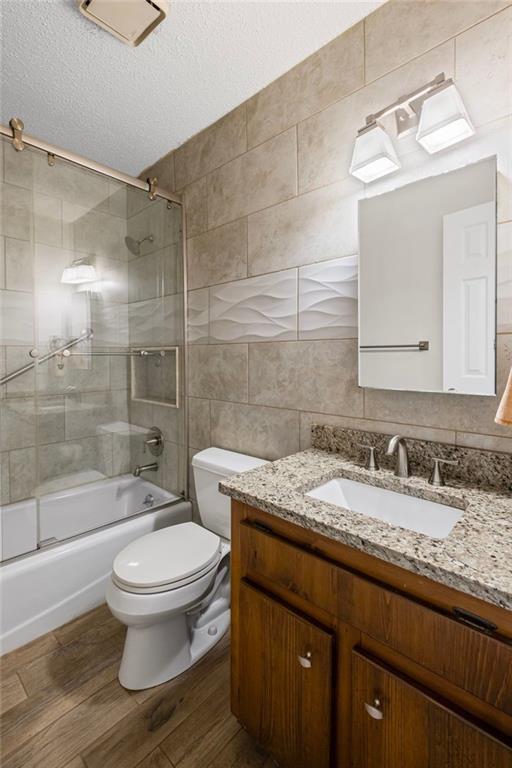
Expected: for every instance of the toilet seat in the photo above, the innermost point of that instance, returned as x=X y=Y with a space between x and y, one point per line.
x=167 y=559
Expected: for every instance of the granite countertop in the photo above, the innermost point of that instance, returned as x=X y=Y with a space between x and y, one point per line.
x=476 y=557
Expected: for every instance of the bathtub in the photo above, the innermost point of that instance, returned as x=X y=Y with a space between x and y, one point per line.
x=83 y=529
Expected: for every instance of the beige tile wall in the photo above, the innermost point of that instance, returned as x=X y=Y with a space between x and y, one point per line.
x=267 y=189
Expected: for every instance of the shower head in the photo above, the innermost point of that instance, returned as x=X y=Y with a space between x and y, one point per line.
x=134 y=245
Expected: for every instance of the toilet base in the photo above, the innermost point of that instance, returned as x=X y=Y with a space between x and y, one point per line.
x=156 y=654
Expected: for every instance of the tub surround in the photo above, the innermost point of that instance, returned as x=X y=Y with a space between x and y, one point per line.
x=474 y=558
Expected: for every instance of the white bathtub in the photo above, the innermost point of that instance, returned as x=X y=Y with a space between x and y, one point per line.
x=46 y=588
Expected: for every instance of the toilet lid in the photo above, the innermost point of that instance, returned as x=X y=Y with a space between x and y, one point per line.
x=167 y=556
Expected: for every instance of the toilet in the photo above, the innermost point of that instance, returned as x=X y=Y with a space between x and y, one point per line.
x=171 y=587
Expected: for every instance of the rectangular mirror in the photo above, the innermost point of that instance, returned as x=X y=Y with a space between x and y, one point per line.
x=427 y=284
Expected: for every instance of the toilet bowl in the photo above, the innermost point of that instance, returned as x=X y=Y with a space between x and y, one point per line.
x=171 y=587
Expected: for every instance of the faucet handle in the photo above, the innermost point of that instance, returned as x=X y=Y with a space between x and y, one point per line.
x=372 y=463
x=436 y=476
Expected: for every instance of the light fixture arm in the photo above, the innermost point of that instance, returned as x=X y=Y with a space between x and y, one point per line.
x=407 y=102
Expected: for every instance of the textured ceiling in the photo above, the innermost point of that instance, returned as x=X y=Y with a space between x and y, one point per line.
x=78 y=87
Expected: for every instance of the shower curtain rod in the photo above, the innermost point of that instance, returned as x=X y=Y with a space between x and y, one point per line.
x=91 y=165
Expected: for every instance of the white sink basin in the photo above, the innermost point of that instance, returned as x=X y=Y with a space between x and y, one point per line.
x=427 y=517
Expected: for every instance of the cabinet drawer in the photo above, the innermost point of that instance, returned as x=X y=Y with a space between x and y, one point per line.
x=469 y=658
x=288 y=567
x=395 y=723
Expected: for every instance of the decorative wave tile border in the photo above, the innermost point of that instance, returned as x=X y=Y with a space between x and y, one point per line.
x=262 y=308
x=198 y=320
x=328 y=299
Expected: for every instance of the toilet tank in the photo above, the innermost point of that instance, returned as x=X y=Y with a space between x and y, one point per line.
x=210 y=467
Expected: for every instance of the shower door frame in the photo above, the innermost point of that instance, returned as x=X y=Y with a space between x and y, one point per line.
x=153 y=192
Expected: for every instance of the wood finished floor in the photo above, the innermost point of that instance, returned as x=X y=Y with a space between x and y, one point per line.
x=61 y=706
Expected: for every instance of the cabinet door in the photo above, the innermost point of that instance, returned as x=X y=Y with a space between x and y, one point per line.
x=285 y=681
x=397 y=725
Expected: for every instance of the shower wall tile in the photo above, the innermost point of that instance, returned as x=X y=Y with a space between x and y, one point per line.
x=326 y=140
x=22 y=474
x=218 y=371
x=198 y=309
x=118 y=198
x=268 y=433
x=18 y=166
x=50 y=419
x=484 y=55
x=2 y=262
x=313 y=227
x=211 y=148
x=199 y=423
x=326 y=76
x=110 y=324
x=97 y=233
x=218 y=256
x=16 y=318
x=153 y=275
x=170 y=421
x=4 y=478
x=264 y=176
x=195 y=197
x=87 y=413
x=71 y=183
x=16 y=218
x=48 y=220
x=112 y=282
x=400 y=31
x=19 y=265
x=80 y=374
x=328 y=299
x=58 y=460
x=296 y=374
x=504 y=289
x=17 y=357
x=156 y=321
x=17 y=423
x=257 y=309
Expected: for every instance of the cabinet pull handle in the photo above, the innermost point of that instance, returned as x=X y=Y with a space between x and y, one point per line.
x=374 y=710
x=477 y=622
x=305 y=661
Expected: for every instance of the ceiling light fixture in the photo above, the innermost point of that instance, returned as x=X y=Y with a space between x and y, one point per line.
x=435 y=111
x=79 y=271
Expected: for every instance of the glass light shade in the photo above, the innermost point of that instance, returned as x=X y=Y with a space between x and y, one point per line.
x=78 y=273
x=443 y=121
x=374 y=155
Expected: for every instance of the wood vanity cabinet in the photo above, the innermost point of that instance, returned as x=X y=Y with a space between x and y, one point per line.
x=340 y=660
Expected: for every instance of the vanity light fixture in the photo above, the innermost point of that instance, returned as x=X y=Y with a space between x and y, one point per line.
x=435 y=111
x=444 y=119
x=79 y=271
x=374 y=155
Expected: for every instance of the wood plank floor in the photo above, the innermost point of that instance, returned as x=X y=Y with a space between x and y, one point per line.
x=61 y=706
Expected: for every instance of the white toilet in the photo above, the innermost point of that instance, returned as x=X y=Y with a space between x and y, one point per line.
x=171 y=587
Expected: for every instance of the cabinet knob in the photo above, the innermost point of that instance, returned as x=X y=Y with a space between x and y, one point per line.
x=305 y=661
x=374 y=709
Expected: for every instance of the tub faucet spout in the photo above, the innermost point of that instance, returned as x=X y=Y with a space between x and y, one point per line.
x=145 y=468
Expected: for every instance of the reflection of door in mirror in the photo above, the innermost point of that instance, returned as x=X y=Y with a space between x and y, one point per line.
x=469 y=278
x=427 y=284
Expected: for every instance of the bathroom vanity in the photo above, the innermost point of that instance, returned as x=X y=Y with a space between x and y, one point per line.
x=364 y=645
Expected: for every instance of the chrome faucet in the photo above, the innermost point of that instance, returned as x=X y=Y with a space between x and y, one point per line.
x=145 y=468
x=397 y=443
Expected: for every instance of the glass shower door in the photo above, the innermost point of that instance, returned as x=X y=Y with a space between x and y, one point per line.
x=92 y=293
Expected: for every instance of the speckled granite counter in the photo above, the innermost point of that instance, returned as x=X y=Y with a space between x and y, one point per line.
x=476 y=557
